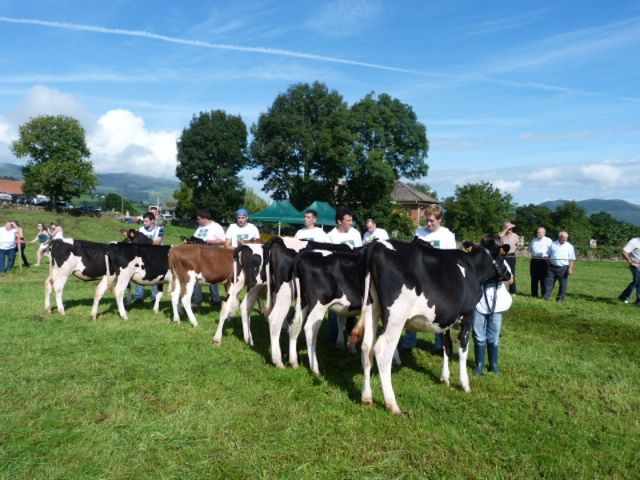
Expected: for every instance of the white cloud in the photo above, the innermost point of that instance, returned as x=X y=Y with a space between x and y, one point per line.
x=510 y=186
x=605 y=175
x=545 y=174
x=121 y=142
x=43 y=100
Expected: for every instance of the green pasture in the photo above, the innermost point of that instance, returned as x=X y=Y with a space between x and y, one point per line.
x=145 y=398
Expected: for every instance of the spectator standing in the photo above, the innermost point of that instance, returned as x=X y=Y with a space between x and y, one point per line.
x=310 y=230
x=539 y=249
x=7 y=247
x=439 y=237
x=211 y=233
x=242 y=231
x=487 y=321
x=562 y=258
x=374 y=232
x=42 y=238
x=21 y=245
x=344 y=234
x=155 y=233
x=56 y=232
x=631 y=253
x=509 y=237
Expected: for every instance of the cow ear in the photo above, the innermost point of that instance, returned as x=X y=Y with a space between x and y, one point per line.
x=468 y=246
x=504 y=249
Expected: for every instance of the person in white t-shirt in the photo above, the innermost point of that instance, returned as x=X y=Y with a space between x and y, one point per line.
x=155 y=233
x=562 y=259
x=631 y=253
x=374 y=232
x=7 y=247
x=310 y=231
x=538 y=268
x=242 y=231
x=439 y=237
x=345 y=234
x=211 y=233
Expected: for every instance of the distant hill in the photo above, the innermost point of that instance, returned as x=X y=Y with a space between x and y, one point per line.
x=619 y=209
x=139 y=188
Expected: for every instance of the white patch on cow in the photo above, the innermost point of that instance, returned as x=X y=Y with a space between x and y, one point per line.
x=68 y=240
x=420 y=316
x=341 y=306
x=256 y=248
x=324 y=253
x=464 y=273
x=387 y=244
x=294 y=244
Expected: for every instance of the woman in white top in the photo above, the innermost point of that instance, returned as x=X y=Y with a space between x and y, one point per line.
x=43 y=238
x=487 y=320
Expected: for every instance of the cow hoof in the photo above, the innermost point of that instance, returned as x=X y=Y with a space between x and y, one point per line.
x=467 y=389
x=367 y=401
x=216 y=343
x=394 y=409
x=445 y=381
x=295 y=365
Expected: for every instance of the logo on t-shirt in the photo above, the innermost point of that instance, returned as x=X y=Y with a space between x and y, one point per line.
x=435 y=243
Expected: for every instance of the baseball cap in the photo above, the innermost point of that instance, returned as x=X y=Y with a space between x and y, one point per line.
x=242 y=212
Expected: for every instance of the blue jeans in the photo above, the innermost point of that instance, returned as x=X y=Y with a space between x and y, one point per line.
x=410 y=340
x=7 y=259
x=214 y=291
x=139 y=294
x=634 y=285
x=486 y=328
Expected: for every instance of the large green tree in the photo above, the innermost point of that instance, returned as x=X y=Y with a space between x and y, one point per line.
x=389 y=143
x=476 y=209
x=212 y=151
x=529 y=217
x=57 y=158
x=302 y=144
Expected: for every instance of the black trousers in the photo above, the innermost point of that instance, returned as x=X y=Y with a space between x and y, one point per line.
x=557 y=273
x=21 y=248
x=511 y=261
x=538 y=269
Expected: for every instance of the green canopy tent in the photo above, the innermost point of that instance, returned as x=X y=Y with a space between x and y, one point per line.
x=279 y=212
x=326 y=213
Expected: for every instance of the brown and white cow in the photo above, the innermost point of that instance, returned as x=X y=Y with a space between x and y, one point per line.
x=191 y=263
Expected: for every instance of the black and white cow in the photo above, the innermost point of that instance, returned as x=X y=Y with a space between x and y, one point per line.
x=140 y=264
x=85 y=260
x=327 y=280
x=247 y=271
x=425 y=289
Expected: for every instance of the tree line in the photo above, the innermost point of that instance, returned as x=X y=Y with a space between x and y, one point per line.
x=309 y=145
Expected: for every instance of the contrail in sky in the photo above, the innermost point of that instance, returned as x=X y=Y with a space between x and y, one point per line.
x=201 y=44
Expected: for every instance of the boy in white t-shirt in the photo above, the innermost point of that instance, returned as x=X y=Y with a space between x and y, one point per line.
x=242 y=231
x=211 y=233
x=155 y=233
x=310 y=231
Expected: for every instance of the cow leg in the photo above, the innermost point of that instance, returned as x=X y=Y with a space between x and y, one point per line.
x=445 y=377
x=48 y=288
x=465 y=331
x=160 y=292
x=370 y=330
x=120 y=290
x=294 y=331
x=102 y=287
x=58 y=287
x=228 y=307
x=245 y=310
x=311 y=329
x=175 y=298
x=186 y=299
x=281 y=307
x=383 y=350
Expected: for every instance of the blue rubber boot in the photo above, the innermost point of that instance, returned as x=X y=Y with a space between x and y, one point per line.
x=480 y=351
x=494 y=353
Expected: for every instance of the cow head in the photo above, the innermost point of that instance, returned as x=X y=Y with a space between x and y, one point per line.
x=492 y=247
x=133 y=236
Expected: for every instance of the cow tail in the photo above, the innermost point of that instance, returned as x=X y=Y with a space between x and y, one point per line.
x=358 y=331
x=298 y=290
x=268 y=268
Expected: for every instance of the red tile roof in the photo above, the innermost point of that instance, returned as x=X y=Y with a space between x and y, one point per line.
x=13 y=187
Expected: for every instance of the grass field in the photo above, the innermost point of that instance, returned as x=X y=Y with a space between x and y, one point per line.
x=149 y=399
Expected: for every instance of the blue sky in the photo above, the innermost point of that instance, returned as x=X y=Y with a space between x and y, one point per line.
x=542 y=98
